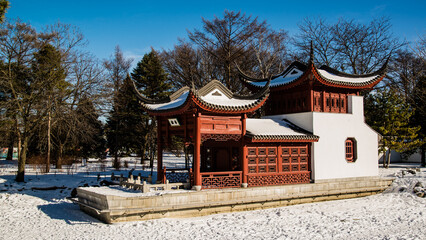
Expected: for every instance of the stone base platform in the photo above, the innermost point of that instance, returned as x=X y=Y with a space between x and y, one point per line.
x=111 y=208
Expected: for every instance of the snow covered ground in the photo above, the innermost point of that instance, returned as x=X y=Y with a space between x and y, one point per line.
x=27 y=213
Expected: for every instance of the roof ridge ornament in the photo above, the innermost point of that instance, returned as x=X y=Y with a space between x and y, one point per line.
x=143 y=98
x=261 y=93
x=245 y=76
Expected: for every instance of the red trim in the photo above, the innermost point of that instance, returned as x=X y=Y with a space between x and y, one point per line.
x=304 y=78
x=251 y=140
x=193 y=99
x=183 y=108
x=327 y=83
x=213 y=110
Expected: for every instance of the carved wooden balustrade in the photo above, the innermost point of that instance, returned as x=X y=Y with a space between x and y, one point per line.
x=267 y=179
x=176 y=175
x=221 y=179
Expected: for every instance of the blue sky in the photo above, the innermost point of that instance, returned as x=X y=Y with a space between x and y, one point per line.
x=138 y=25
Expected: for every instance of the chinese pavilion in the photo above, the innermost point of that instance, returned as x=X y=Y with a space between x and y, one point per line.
x=313 y=130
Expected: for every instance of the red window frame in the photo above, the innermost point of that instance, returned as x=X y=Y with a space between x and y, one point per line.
x=350 y=150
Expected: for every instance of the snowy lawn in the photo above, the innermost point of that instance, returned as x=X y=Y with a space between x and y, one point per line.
x=27 y=213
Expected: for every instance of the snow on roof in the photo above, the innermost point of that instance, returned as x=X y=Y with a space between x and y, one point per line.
x=170 y=105
x=335 y=77
x=217 y=97
x=291 y=75
x=273 y=128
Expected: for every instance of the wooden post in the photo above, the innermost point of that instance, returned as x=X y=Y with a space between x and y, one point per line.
x=164 y=175
x=197 y=152
x=159 y=152
x=324 y=102
x=244 y=151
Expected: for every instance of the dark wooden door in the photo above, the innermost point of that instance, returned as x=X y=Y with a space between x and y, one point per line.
x=222 y=159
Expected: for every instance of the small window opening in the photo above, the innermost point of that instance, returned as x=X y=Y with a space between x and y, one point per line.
x=350 y=150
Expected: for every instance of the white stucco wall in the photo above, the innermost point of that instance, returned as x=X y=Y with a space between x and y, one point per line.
x=328 y=154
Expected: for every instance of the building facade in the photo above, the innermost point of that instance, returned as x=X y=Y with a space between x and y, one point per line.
x=313 y=129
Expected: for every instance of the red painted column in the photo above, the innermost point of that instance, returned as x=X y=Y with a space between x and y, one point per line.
x=244 y=157
x=159 y=152
x=324 y=102
x=245 y=165
x=279 y=158
x=197 y=152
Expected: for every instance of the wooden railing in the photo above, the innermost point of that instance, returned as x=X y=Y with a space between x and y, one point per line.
x=176 y=175
x=268 y=179
x=221 y=179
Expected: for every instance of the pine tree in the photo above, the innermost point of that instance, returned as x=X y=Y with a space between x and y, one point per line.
x=390 y=115
x=152 y=81
x=48 y=70
x=3 y=7
x=91 y=140
x=150 y=77
x=118 y=68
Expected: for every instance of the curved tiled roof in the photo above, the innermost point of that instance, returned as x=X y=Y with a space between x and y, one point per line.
x=270 y=129
x=291 y=74
x=336 y=77
x=213 y=97
x=297 y=71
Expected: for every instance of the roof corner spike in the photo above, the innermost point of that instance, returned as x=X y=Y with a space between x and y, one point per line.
x=383 y=69
x=260 y=94
x=311 y=53
x=193 y=86
x=144 y=99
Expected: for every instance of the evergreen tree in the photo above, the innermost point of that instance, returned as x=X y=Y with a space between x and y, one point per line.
x=151 y=80
x=389 y=115
x=118 y=68
x=3 y=7
x=91 y=140
x=47 y=69
x=150 y=77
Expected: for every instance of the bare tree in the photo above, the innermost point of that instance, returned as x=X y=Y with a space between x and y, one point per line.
x=348 y=45
x=223 y=42
x=227 y=40
x=35 y=101
x=185 y=65
x=270 y=52
x=17 y=46
x=70 y=125
x=118 y=68
x=317 y=31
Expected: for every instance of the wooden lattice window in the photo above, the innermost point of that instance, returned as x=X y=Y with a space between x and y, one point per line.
x=294 y=158
x=350 y=149
x=262 y=159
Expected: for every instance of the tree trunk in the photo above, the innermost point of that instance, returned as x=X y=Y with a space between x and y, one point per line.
x=384 y=158
x=423 y=160
x=143 y=155
x=48 y=142
x=11 y=143
x=20 y=176
x=19 y=143
x=59 y=160
x=116 y=162
x=388 y=157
